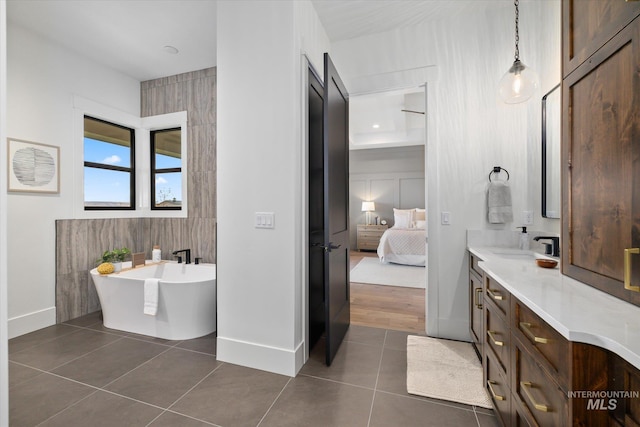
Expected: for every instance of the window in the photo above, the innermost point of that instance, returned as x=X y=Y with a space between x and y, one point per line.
x=109 y=166
x=166 y=169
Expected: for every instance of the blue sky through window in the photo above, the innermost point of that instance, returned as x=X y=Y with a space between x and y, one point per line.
x=102 y=185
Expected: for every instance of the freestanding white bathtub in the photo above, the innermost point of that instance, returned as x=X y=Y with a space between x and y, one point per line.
x=186 y=300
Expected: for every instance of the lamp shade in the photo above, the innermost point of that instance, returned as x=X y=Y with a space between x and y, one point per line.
x=368 y=207
x=518 y=84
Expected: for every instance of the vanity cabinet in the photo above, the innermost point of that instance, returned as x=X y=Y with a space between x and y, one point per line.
x=530 y=368
x=588 y=24
x=476 y=321
x=601 y=143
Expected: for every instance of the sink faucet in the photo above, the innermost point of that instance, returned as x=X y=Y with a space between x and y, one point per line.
x=552 y=248
x=187 y=254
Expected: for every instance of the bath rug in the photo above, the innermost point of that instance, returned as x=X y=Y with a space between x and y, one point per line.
x=371 y=271
x=445 y=369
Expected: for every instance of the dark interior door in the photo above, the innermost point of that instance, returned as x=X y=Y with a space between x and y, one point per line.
x=336 y=208
x=316 y=211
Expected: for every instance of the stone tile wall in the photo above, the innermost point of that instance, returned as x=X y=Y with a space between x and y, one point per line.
x=80 y=242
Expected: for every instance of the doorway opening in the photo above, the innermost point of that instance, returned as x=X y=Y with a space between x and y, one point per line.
x=388 y=171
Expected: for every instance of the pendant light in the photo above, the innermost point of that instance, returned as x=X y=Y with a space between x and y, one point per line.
x=520 y=82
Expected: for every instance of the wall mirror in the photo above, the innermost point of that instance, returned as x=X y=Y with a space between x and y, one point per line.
x=551 y=135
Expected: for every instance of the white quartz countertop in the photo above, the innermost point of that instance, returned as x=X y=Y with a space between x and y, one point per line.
x=578 y=311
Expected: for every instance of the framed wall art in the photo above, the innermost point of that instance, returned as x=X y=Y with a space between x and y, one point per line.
x=33 y=167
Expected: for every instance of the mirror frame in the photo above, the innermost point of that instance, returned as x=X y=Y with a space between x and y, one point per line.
x=544 y=152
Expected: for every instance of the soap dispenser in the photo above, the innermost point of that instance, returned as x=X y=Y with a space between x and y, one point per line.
x=524 y=239
x=156 y=254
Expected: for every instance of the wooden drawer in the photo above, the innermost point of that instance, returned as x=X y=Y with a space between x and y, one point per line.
x=497 y=337
x=543 y=401
x=518 y=417
x=496 y=294
x=374 y=235
x=544 y=342
x=498 y=389
x=473 y=264
x=368 y=245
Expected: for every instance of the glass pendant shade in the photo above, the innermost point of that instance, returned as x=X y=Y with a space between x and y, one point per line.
x=518 y=84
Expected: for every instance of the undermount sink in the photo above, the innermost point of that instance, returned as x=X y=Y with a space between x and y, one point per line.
x=518 y=254
x=514 y=253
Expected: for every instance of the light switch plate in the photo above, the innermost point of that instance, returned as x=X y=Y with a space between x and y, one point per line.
x=445 y=218
x=265 y=220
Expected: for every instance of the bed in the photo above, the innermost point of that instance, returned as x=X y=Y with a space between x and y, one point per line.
x=405 y=242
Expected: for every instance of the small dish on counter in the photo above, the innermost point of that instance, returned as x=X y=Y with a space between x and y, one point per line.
x=546 y=263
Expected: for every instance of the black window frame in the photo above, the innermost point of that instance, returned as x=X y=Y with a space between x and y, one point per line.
x=154 y=171
x=131 y=170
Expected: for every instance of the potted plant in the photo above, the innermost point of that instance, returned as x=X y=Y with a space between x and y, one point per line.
x=115 y=257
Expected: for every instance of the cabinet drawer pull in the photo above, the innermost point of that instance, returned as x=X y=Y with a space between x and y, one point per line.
x=493 y=393
x=476 y=301
x=525 y=386
x=495 y=341
x=495 y=295
x=525 y=328
x=627 y=269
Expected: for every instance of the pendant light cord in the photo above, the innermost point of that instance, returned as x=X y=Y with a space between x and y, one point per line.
x=517 y=54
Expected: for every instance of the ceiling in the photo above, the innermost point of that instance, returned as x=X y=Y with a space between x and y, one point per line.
x=132 y=36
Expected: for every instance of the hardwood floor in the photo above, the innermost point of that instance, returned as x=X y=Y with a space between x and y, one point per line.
x=387 y=307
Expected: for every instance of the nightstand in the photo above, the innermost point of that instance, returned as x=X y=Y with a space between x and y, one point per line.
x=369 y=236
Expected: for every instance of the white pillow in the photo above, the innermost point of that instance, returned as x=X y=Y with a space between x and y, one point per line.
x=419 y=215
x=402 y=218
x=420 y=224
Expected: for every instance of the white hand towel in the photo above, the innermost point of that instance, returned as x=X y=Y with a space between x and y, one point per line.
x=151 y=296
x=499 y=203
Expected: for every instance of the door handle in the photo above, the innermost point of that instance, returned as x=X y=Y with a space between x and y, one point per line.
x=627 y=269
x=525 y=386
x=495 y=295
x=493 y=393
x=330 y=247
x=476 y=299
x=526 y=328
x=493 y=339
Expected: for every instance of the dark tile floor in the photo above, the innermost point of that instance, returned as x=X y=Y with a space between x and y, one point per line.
x=82 y=374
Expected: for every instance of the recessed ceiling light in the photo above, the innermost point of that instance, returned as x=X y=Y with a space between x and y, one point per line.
x=376 y=126
x=170 y=49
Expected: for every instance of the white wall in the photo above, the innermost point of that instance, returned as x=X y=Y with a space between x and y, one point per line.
x=4 y=344
x=472 y=130
x=260 y=280
x=42 y=79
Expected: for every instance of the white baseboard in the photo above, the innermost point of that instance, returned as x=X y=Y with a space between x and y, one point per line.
x=258 y=356
x=26 y=323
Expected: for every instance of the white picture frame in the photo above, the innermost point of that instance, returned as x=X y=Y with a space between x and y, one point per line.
x=32 y=167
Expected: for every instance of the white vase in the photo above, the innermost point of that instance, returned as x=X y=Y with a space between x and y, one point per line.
x=117 y=266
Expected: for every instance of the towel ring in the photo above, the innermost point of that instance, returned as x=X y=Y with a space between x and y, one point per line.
x=497 y=169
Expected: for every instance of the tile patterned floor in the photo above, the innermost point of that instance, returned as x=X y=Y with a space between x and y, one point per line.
x=82 y=374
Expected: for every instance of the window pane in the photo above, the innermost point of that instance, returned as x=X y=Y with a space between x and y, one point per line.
x=167 y=145
x=166 y=162
x=109 y=173
x=106 y=153
x=106 y=188
x=168 y=190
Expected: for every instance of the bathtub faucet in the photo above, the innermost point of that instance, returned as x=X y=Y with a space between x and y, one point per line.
x=187 y=255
